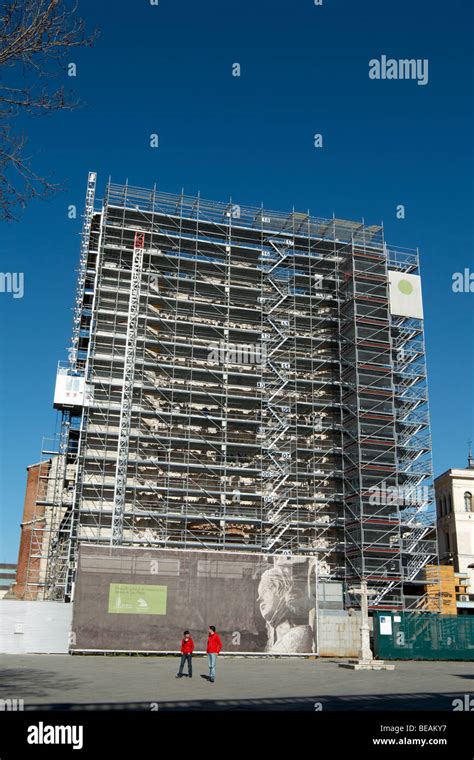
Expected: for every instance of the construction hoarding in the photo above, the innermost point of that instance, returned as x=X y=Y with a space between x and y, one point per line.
x=129 y=599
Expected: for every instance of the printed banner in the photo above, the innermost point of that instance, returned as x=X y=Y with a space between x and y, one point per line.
x=405 y=295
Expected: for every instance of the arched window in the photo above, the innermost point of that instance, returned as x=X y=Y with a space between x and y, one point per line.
x=468 y=501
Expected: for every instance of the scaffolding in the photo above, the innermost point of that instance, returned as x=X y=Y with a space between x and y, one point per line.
x=245 y=387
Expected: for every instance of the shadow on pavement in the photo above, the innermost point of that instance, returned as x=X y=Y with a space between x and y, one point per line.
x=401 y=702
x=34 y=682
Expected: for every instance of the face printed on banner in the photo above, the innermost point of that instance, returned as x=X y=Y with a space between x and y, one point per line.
x=267 y=599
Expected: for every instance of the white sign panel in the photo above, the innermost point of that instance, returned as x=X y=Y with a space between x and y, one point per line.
x=69 y=389
x=405 y=295
x=385 y=625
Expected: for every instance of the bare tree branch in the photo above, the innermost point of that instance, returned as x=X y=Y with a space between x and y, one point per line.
x=35 y=36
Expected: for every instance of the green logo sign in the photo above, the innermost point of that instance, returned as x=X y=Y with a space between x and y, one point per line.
x=405 y=287
x=139 y=599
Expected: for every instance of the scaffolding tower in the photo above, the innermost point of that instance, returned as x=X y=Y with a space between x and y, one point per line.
x=241 y=385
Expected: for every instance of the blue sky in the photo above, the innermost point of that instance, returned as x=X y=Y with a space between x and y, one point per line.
x=167 y=69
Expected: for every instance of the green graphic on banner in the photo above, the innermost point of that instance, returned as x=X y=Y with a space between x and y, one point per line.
x=140 y=599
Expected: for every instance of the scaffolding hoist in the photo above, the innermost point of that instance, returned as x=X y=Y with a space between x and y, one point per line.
x=243 y=386
x=82 y=273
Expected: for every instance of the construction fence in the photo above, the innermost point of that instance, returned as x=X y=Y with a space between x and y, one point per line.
x=415 y=636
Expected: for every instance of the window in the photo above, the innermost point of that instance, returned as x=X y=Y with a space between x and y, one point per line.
x=449 y=506
x=468 y=501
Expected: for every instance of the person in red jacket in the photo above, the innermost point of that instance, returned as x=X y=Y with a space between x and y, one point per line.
x=214 y=646
x=187 y=649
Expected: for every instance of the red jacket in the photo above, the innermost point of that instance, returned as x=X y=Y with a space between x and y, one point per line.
x=187 y=647
x=214 y=644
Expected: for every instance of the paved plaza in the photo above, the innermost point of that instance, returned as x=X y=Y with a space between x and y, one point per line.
x=149 y=683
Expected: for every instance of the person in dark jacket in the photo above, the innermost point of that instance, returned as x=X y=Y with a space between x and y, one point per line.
x=214 y=646
x=187 y=649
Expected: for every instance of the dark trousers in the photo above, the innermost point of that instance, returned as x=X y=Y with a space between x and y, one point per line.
x=189 y=659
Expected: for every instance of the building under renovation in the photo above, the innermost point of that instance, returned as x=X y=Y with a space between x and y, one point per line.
x=240 y=380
